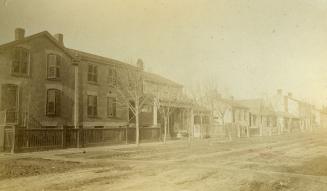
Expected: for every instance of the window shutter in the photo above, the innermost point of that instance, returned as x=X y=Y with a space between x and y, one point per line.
x=115 y=78
x=88 y=106
x=58 y=65
x=25 y=61
x=89 y=74
x=16 y=60
x=110 y=76
x=114 y=107
x=58 y=102
x=108 y=106
x=95 y=73
x=95 y=106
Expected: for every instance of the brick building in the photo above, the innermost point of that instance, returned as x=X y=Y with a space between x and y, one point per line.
x=45 y=84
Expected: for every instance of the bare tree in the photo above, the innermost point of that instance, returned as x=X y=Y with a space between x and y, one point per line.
x=130 y=90
x=164 y=100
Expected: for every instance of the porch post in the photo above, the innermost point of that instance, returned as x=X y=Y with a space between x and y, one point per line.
x=155 y=114
x=76 y=102
x=192 y=122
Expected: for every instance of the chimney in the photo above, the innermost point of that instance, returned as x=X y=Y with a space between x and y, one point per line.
x=19 y=33
x=289 y=94
x=60 y=38
x=279 y=91
x=140 y=64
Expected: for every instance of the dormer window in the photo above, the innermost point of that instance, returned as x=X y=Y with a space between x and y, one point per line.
x=53 y=66
x=21 y=61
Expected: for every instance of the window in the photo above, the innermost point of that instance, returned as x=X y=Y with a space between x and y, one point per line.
x=53 y=66
x=112 y=77
x=92 y=106
x=111 y=107
x=146 y=108
x=21 y=61
x=53 y=102
x=131 y=83
x=254 y=119
x=92 y=75
x=197 y=119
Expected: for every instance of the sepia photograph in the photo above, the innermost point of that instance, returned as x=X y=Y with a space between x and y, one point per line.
x=163 y=95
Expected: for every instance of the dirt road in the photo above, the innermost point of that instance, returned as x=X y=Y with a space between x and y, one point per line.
x=288 y=162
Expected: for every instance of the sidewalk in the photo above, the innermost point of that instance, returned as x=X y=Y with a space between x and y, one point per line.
x=7 y=155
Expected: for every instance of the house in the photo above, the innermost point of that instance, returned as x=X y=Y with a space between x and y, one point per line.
x=292 y=114
x=201 y=122
x=37 y=81
x=229 y=117
x=44 y=84
x=262 y=118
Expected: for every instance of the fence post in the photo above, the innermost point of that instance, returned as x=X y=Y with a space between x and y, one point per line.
x=2 y=137
x=121 y=132
x=63 y=136
x=78 y=144
x=15 y=139
x=126 y=134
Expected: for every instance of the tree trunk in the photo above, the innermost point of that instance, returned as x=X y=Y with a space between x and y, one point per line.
x=137 y=127
x=190 y=125
x=165 y=129
x=229 y=132
x=168 y=124
x=238 y=130
x=201 y=127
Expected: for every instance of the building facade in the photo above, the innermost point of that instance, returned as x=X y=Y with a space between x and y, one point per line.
x=45 y=84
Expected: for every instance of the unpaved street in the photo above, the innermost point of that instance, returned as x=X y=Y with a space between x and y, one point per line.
x=288 y=162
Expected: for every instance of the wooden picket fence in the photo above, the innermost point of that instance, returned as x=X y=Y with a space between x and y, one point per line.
x=18 y=139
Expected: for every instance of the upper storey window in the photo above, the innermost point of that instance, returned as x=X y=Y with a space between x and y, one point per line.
x=92 y=74
x=53 y=66
x=21 y=61
x=112 y=77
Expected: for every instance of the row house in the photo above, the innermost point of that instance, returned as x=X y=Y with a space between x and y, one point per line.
x=44 y=84
x=168 y=99
x=229 y=117
x=262 y=118
x=293 y=114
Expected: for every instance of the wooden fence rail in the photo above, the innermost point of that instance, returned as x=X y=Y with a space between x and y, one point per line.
x=25 y=140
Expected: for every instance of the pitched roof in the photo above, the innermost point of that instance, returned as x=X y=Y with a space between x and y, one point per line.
x=105 y=60
x=97 y=58
x=157 y=78
x=258 y=106
x=234 y=103
x=31 y=37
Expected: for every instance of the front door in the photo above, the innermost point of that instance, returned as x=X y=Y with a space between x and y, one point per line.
x=9 y=102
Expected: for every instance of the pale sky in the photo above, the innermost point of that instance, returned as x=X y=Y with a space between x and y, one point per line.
x=247 y=47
